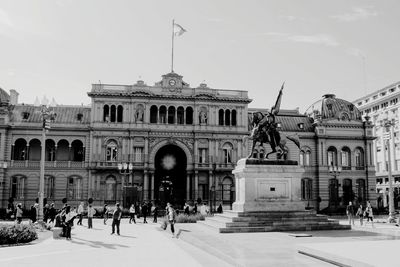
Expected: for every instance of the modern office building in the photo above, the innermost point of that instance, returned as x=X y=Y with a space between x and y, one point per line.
x=382 y=109
x=173 y=142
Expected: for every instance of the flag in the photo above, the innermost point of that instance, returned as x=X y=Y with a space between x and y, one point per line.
x=275 y=109
x=178 y=30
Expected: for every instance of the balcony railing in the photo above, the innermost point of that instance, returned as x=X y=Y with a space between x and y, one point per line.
x=47 y=164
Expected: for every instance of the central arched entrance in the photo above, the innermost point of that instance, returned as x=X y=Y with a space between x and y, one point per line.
x=170 y=175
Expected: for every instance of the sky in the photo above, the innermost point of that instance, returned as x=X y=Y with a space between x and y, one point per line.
x=59 y=48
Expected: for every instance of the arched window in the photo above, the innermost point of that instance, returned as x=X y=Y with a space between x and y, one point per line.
x=77 y=151
x=163 y=115
x=233 y=117
x=113 y=113
x=189 y=115
x=307 y=158
x=112 y=151
x=50 y=150
x=18 y=183
x=221 y=117
x=171 y=115
x=111 y=189
x=306 y=189
x=359 y=157
x=301 y=158
x=34 y=150
x=48 y=186
x=227 y=152
x=332 y=156
x=74 y=188
x=180 y=115
x=120 y=111
x=227 y=189
x=153 y=114
x=62 y=153
x=227 y=117
x=346 y=158
x=19 y=152
x=106 y=113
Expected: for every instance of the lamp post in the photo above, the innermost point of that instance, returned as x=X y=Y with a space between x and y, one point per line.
x=388 y=124
x=335 y=171
x=124 y=169
x=47 y=115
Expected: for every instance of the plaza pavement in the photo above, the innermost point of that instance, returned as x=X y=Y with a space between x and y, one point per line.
x=199 y=245
x=138 y=245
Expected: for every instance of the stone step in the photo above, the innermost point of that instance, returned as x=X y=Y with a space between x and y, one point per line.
x=270 y=214
x=257 y=219
x=284 y=229
x=277 y=224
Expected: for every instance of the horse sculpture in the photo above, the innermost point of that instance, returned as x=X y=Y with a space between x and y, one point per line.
x=269 y=134
x=264 y=130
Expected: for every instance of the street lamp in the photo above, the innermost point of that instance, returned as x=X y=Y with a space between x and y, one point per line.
x=124 y=169
x=335 y=171
x=48 y=116
x=388 y=124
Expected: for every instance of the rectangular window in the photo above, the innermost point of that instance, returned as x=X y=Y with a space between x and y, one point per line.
x=227 y=155
x=202 y=155
x=138 y=154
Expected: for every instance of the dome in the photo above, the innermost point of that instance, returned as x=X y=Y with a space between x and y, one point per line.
x=330 y=107
x=4 y=97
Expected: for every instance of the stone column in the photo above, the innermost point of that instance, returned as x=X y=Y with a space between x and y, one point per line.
x=152 y=185
x=196 y=185
x=187 y=186
x=146 y=185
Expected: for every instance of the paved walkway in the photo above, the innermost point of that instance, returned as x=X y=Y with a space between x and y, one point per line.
x=138 y=245
x=198 y=245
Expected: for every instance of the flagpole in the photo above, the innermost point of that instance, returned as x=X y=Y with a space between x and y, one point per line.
x=172 y=55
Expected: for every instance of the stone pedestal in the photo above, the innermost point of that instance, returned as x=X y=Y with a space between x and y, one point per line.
x=268 y=185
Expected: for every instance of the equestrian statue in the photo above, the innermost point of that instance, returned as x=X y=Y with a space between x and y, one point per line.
x=265 y=130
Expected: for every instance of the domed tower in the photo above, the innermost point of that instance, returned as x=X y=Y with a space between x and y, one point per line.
x=332 y=108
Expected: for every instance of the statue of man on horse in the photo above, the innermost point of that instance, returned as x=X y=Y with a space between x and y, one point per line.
x=265 y=130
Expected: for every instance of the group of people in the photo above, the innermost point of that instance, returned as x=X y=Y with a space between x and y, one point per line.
x=360 y=212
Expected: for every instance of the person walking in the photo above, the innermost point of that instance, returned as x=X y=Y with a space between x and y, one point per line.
x=350 y=213
x=33 y=215
x=19 y=213
x=90 y=213
x=52 y=213
x=132 y=214
x=369 y=214
x=144 y=212
x=171 y=216
x=80 y=214
x=117 y=215
x=69 y=221
x=360 y=214
x=105 y=214
x=46 y=213
x=155 y=213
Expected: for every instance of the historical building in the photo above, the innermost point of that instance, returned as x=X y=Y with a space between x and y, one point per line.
x=382 y=106
x=173 y=142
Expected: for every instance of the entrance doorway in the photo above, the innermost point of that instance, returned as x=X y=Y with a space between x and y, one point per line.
x=170 y=175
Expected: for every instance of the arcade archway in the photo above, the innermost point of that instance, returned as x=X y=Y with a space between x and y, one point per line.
x=170 y=175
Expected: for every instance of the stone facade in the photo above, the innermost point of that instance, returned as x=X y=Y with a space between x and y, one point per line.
x=379 y=106
x=171 y=142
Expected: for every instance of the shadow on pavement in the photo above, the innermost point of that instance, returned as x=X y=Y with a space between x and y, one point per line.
x=97 y=244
